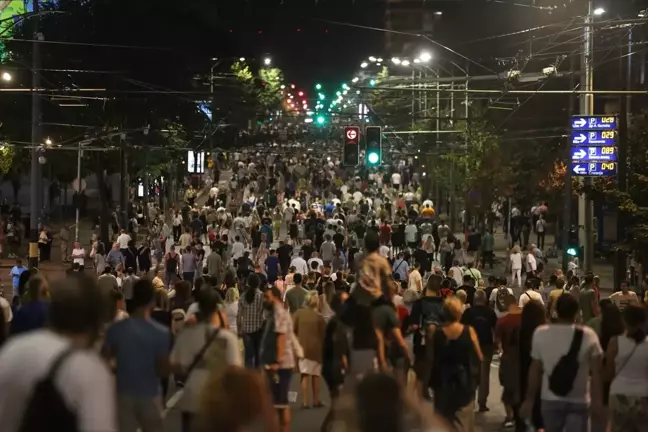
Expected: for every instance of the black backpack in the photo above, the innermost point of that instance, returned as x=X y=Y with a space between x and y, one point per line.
x=561 y=379
x=47 y=409
x=456 y=381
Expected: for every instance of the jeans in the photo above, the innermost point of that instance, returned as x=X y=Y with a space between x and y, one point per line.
x=251 y=346
x=560 y=416
x=541 y=240
x=487 y=258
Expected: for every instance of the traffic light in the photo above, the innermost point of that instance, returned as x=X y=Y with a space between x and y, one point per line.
x=320 y=120
x=373 y=146
x=351 y=151
x=318 y=86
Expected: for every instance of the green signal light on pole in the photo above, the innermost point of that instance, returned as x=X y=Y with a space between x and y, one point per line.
x=321 y=120
x=372 y=82
x=321 y=96
x=572 y=251
x=318 y=86
x=373 y=158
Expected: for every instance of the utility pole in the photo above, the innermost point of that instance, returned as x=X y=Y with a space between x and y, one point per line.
x=35 y=192
x=585 y=208
x=567 y=205
x=123 y=183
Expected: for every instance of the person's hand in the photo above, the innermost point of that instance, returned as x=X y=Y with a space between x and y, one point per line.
x=526 y=409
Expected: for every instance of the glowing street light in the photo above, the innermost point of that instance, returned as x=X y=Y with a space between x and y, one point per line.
x=405 y=63
x=425 y=56
x=396 y=60
x=355 y=80
x=599 y=11
x=372 y=59
x=267 y=61
x=242 y=59
x=48 y=141
x=6 y=76
x=364 y=65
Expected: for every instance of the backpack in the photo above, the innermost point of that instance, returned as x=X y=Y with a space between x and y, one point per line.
x=455 y=387
x=499 y=298
x=47 y=409
x=561 y=379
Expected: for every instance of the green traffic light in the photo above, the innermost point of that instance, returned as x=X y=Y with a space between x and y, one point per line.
x=572 y=251
x=318 y=86
x=321 y=120
x=321 y=96
x=372 y=82
x=373 y=158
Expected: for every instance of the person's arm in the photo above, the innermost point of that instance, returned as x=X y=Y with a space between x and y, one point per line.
x=610 y=358
x=596 y=376
x=533 y=387
x=475 y=340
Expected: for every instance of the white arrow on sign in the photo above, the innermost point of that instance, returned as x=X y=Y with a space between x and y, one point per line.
x=580 y=154
x=579 y=139
x=580 y=122
x=579 y=169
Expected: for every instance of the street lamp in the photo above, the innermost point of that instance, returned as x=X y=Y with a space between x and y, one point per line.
x=405 y=63
x=425 y=56
x=396 y=60
x=267 y=61
x=364 y=65
x=372 y=59
x=6 y=76
x=599 y=11
x=48 y=141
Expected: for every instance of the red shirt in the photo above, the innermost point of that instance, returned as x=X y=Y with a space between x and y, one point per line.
x=507 y=328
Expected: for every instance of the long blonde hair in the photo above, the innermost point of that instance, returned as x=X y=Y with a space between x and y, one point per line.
x=232 y=296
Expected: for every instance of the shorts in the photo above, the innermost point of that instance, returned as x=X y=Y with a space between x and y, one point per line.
x=310 y=367
x=279 y=383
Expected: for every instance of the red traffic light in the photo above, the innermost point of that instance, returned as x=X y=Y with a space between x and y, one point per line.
x=301 y=93
x=263 y=83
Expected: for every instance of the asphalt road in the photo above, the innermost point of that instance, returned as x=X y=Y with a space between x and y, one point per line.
x=310 y=420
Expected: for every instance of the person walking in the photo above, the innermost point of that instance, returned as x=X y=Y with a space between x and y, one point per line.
x=309 y=327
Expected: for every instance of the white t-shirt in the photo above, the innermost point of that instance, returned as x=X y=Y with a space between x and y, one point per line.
x=83 y=380
x=177 y=220
x=516 y=261
x=123 y=240
x=237 y=250
x=532 y=264
x=622 y=300
x=541 y=224
x=631 y=372
x=528 y=295
x=300 y=265
x=550 y=343
x=224 y=352
x=410 y=233
x=493 y=299
x=413 y=280
x=79 y=253
x=384 y=251
x=213 y=192
x=396 y=179
x=319 y=262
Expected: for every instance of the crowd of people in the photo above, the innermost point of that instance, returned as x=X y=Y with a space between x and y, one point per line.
x=350 y=280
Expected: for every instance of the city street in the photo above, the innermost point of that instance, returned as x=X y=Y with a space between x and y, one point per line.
x=310 y=420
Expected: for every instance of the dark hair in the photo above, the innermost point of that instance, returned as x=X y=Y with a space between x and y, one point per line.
x=468 y=279
x=208 y=301
x=253 y=282
x=371 y=242
x=77 y=306
x=337 y=303
x=380 y=404
x=634 y=317
x=434 y=283
x=229 y=280
x=560 y=283
x=567 y=307
x=611 y=324
x=297 y=278
x=144 y=293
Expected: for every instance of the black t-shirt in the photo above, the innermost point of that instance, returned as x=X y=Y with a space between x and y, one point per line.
x=338 y=239
x=470 y=291
x=283 y=252
x=219 y=247
x=483 y=319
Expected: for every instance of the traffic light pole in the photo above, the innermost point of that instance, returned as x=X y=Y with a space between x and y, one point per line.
x=567 y=205
x=585 y=207
x=35 y=181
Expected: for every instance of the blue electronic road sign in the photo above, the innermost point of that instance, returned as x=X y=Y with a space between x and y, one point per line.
x=594 y=169
x=593 y=138
x=593 y=154
x=601 y=123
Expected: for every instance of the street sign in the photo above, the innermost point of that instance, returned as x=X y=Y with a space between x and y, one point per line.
x=593 y=138
x=593 y=154
x=351 y=150
x=594 y=169
x=590 y=123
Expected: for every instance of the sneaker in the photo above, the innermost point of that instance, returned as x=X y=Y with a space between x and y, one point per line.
x=483 y=409
x=508 y=424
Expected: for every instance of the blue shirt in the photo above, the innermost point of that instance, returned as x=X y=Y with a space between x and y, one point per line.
x=15 y=275
x=138 y=344
x=272 y=262
x=30 y=316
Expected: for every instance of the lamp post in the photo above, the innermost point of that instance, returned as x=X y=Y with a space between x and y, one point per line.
x=35 y=175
